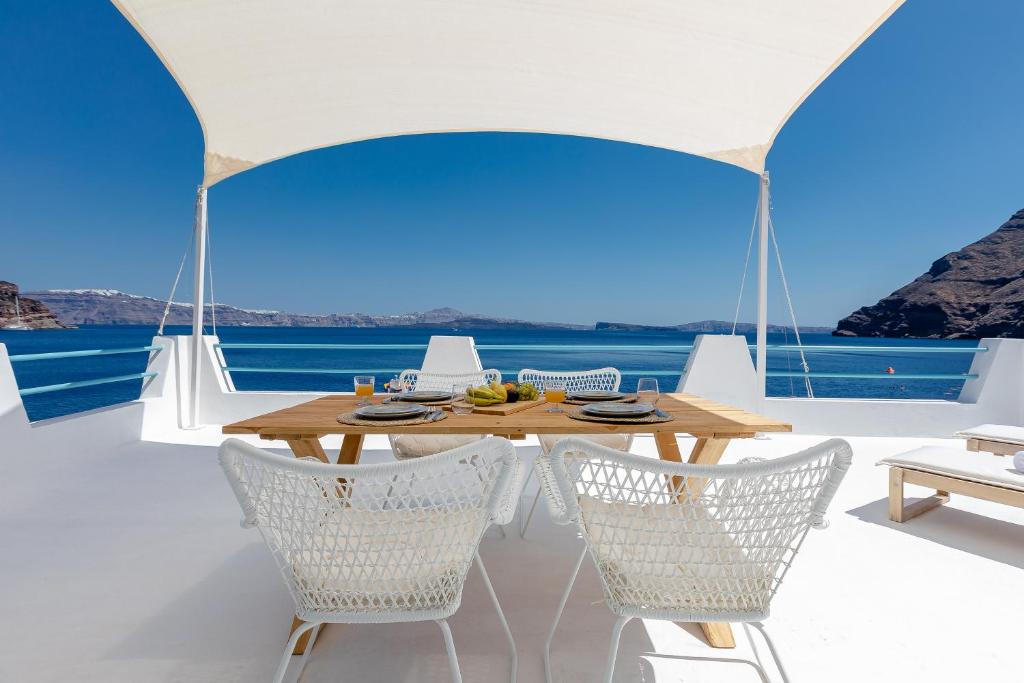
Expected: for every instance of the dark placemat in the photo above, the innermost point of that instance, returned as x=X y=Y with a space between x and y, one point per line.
x=356 y=421
x=628 y=398
x=653 y=418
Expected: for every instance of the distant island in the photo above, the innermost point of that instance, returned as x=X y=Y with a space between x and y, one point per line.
x=972 y=293
x=706 y=326
x=113 y=307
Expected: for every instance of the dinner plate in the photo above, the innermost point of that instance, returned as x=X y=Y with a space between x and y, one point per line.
x=390 y=411
x=426 y=395
x=618 y=409
x=596 y=395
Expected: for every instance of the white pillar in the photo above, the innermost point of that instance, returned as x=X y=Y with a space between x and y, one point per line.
x=198 y=291
x=762 y=288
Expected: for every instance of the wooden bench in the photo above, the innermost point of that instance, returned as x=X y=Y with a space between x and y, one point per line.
x=993 y=438
x=976 y=474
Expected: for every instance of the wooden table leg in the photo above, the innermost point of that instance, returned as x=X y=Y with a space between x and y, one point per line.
x=351 y=447
x=719 y=635
x=300 y=644
x=705 y=452
x=303 y=448
x=310 y=446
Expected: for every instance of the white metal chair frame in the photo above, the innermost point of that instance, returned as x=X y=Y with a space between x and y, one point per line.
x=601 y=379
x=376 y=543
x=690 y=543
x=437 y=381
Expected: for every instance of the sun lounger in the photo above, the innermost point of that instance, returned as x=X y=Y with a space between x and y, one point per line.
x=950 y=470
x=998 y=439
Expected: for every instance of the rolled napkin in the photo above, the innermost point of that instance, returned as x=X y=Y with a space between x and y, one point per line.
x=1018 y=461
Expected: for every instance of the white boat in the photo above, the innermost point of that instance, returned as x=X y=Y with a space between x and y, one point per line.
x=122 y=557
x=18 y=325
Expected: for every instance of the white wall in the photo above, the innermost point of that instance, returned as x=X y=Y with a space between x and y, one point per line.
x=83 y=433
x=166 y=401
x=720 y=368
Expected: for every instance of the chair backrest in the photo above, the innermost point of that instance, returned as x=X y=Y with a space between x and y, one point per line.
x=691 y=542
x=601 y=379
x=437 y=381
x=380 y=542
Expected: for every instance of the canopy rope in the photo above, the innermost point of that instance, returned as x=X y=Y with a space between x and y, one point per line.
x=789 y=303
x=177 y=278
x=746 y=264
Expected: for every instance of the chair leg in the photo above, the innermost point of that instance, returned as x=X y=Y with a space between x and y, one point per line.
x=282 y=668
x=308 y=651
x=501 y=616
x=771 y=648
x=449 y=644
x=613 y=648
x=526 y=522
x=558 y=615
x=522 y=524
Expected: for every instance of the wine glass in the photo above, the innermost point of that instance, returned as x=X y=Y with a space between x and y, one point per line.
x=461 y=405
x=364 y=388
x=647 y=390
x=554 y=393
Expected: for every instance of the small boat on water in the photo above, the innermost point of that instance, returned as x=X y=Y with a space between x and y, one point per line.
x=18 y=325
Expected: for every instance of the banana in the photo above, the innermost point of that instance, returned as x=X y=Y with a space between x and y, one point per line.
x=500 y=390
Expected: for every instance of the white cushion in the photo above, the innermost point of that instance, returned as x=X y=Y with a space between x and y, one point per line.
x=385 y=560
x=991 y=432
x=673 y=557
x=619 y=442
x=408 y=446
x=984 y=468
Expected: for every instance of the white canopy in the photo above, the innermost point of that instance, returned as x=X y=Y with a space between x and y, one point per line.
x=715 y=78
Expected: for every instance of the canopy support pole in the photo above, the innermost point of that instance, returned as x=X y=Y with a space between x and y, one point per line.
x=198 y=291
x=762 y=287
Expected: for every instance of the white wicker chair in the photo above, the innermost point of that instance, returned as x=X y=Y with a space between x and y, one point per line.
x=601 y=379
x=406 y=446
x=376 y=543
x=692 y=543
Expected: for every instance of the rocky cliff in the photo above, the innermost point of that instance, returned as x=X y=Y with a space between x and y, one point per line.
x=968 y=294
x=34 y=313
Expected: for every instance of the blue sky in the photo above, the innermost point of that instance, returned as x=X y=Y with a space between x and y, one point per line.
x=913 y=148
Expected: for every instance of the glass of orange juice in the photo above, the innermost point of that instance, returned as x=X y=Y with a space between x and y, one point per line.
x=364 y=388
x=554 y=392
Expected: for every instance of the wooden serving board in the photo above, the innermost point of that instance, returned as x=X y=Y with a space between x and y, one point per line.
x=506 y=408
x=503 y=408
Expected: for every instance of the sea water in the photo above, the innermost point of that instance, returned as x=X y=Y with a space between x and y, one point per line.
x=385 y=363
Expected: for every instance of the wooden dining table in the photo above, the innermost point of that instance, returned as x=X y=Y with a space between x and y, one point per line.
x=713 y=425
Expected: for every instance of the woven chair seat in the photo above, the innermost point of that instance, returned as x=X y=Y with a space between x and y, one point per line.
x=619 y=442
x=644 y=573
x=417 y=569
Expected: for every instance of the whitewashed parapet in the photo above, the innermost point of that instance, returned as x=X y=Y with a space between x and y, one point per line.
x=720 y=368
x=450 y=355
x=82 y=434
x=13 y=419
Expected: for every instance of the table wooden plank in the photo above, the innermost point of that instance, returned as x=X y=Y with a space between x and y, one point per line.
x=319 y=417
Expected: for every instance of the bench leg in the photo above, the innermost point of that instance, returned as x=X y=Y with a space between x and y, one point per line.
x=897 y=511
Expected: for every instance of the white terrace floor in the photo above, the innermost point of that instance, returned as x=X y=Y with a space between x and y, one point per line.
x=132 y=567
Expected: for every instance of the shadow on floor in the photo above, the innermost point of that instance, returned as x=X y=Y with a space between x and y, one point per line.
x=987 y=537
